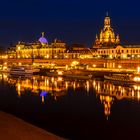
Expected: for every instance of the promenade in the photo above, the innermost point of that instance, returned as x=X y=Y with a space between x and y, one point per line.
x=12 y=128
x=100 y=63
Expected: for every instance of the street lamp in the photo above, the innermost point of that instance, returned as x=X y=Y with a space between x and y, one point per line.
x=94 y=66
x=138 y=70
x=119 y=67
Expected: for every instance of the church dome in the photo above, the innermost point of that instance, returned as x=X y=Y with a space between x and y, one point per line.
x=42 y=39
x=107 y=35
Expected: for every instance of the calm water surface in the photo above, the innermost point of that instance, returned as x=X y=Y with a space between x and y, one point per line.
x=74 y=109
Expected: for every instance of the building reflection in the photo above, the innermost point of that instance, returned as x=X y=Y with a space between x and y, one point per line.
x=107 y=101
x=108 y=92
x=56 y=87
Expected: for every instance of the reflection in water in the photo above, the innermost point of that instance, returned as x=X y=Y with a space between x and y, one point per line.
x=43 y=94
x=18 y=88
x=106 y=91
x=107 y=101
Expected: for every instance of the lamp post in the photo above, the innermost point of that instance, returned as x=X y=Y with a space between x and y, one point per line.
x=94 y=66
x=119 y=67
x=32 y=56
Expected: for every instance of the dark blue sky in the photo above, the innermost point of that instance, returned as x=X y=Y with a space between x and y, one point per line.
x=73 y=21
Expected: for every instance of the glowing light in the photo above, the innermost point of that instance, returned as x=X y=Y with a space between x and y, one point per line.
x=136 y=78
x=138 y=95
x=42 y=99
x=138 y=70
x=119 y=66
x=52 y=79
x=19 y=48
x=19 y=88
x=74 y=63
x=4 y=76
x=43 y=40
x=47 y=82
x=19 y=64
x=60 y=72
x=46 y=56
x=136 y=87
x=66 y=84
x=87 y=86
x=66 y=67
x=74 y=85
x=60 y=79
x=43 y=93
x=5 y=68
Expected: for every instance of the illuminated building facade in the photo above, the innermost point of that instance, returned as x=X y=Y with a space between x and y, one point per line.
x=119 y=52
x=107 y=36
x=79 y=51
x=108 y=45
x=41 y=49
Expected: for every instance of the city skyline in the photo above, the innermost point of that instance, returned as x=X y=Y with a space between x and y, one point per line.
x=71 y=22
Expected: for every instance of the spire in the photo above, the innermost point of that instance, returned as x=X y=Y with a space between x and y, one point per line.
x=107 y=21
x=96 y=37
x=107 y=13
x=117 y=39
x=55 y=40
x=43 y=33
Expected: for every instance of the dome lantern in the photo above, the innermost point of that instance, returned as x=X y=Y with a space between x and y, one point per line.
x=42 y=39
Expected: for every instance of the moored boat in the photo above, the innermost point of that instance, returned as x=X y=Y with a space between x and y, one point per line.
x=52 y=72
x=77 y=74
x=129 y=78
x=23 y=70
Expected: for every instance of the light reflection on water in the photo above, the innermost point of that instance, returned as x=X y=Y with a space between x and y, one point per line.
x=106 y=91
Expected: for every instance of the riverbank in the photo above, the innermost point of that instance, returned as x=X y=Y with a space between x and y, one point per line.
x=12 y=128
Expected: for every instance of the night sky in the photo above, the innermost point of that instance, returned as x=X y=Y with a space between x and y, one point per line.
x=73 y=21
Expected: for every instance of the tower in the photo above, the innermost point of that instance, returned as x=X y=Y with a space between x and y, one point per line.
x=107 y=21
x=107 y=36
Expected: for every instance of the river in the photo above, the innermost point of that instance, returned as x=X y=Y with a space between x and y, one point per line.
x=72 y=108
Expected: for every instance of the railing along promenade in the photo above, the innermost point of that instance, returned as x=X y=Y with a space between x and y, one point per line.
x=108 y=63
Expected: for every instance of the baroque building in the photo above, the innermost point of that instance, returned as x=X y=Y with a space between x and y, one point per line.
x=107 y=36
x=41 y=49
x=107 y=45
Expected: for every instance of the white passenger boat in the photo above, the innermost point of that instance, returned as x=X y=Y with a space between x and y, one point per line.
x=129 y=78
x=22 y=70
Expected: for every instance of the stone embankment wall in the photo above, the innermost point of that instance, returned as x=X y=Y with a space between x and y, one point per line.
x=106 y=63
